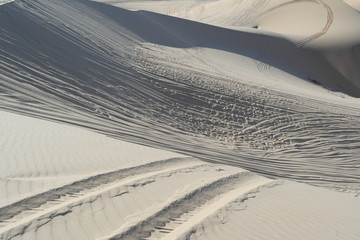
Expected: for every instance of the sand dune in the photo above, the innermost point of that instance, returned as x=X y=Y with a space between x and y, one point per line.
x=123 y=78
x=309 y=24
x=179 y=119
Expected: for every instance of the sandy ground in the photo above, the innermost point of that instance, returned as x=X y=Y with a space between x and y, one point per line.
x=152 y=195
x=179 y=119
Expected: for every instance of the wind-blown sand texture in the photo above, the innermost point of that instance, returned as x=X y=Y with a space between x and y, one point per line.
x=217 y=119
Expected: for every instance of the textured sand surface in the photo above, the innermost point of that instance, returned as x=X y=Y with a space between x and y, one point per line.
x=224 y=119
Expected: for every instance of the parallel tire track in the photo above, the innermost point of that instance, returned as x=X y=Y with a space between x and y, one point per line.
x=184 y=209
x=323 y=31
x=186 y=110
x=329 y=22
x=180 y=203
x=76 y=189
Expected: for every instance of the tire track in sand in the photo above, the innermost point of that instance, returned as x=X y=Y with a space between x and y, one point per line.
x=34 y=204
x=182 y=200
x=181 y=215
x=324 y=30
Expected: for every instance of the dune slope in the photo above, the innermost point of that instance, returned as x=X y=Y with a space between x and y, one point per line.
x=178 y=127
x=325 y=29
x=109 y=76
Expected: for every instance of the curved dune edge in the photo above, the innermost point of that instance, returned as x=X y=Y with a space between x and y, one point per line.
x=2 y=2
x=327 y=27
x=353 y=3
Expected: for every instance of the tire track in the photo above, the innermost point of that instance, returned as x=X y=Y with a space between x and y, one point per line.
x=180 y=108
x=329 y=22
x=288 y=127
x=123 y=194
x=76 y=189
x=186 y=210
x=237 y=196
x=323 y=31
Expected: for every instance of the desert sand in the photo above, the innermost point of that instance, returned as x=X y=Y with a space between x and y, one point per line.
x=216 y=119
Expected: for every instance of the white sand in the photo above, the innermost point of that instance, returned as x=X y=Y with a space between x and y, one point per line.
x=266 y=86
x=328 y=27
x=287 y=211
x=353 y=3
x=38 y=155
x=5 y=1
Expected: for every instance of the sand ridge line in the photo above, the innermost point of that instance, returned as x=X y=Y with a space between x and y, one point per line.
x=2 y=2
x=285 y=4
